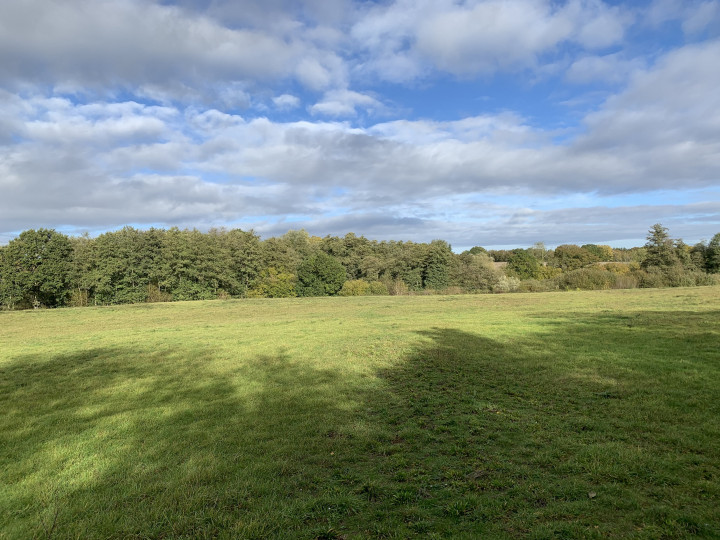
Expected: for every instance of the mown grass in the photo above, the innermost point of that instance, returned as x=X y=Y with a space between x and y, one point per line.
x=591 y=414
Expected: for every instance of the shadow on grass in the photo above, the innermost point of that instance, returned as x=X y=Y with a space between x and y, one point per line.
x=600 y=426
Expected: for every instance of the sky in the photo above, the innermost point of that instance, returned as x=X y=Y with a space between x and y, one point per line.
x=483 y=123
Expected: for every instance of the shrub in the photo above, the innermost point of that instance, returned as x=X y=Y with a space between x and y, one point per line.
x=506 y=284
x=273 y=284
x=79 y=298
x=397 y=288
x=154 y=294
x=626 y=281
x=355 y=287
x=378 y=288
x=587 y=279
x=618 y=268
x=652 y=278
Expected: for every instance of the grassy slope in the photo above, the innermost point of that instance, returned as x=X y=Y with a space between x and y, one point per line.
x=574 y=414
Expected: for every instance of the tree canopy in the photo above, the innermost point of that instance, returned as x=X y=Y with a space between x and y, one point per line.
x=45 y=268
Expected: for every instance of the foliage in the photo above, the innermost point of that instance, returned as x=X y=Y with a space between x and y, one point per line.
x=592 y=278
x=712 y=255
x=36 y=269
x=602 y=252
x=435 y=274
x=501 y=255
x=660 y=249
x=506 y=284
x=570 y=257
x=523 y=265
x=157 y=265
x=359 y=287
x=474 y=272
x=355 y=287
x=273 y=284
x=320 y=275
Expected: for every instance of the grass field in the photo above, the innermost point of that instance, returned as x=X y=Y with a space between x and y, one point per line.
x=589 y=414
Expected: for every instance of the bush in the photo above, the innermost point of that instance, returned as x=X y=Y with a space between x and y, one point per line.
x=79 y=298
x=355 y=287
x=397 y=287
x=378 y=288
x=618 y=268
x=590 y=279
x=652 y=278
x=359 y=287
x=154 y=294
x=506 y=284
x=273 y=284
x=626 y=281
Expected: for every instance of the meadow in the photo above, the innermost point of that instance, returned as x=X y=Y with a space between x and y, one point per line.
x=555 y=415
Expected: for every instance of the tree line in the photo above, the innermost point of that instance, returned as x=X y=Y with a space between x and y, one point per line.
x=45 y=268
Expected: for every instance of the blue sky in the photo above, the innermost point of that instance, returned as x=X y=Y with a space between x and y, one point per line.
x=492 y=123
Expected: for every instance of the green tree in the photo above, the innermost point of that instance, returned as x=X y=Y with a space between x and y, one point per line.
x=10 y=290
x=539 y=251
x=271 y=283
x=570 y=257
x=474 y=272
x=523 y=265
x=320 y=275
x=245 y=252
x=84 y=270
x=660 y=249
x=122 y=266
x=712 y=255
x=38 y=266
x=436 y=266
x=602 y=252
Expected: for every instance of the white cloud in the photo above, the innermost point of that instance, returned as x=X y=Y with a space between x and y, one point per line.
x=404 y=38
x=109 y=43
x=610 y=68
x=491 y=35
x=344 y=103
x=286 y=101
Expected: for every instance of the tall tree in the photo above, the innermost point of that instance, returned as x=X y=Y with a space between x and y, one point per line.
x=712 y=255
x=10 y=290
x=660 y=248
x=37 y=265
x=245 y=253
x=436 y=266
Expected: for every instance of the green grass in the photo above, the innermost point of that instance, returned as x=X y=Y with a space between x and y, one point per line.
x=592 y=414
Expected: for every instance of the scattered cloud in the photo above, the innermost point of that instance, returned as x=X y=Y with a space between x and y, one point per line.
x=176 y=113
x=344 y=103
x=286 y=101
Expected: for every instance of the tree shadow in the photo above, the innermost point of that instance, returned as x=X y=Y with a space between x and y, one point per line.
x=464 y=437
